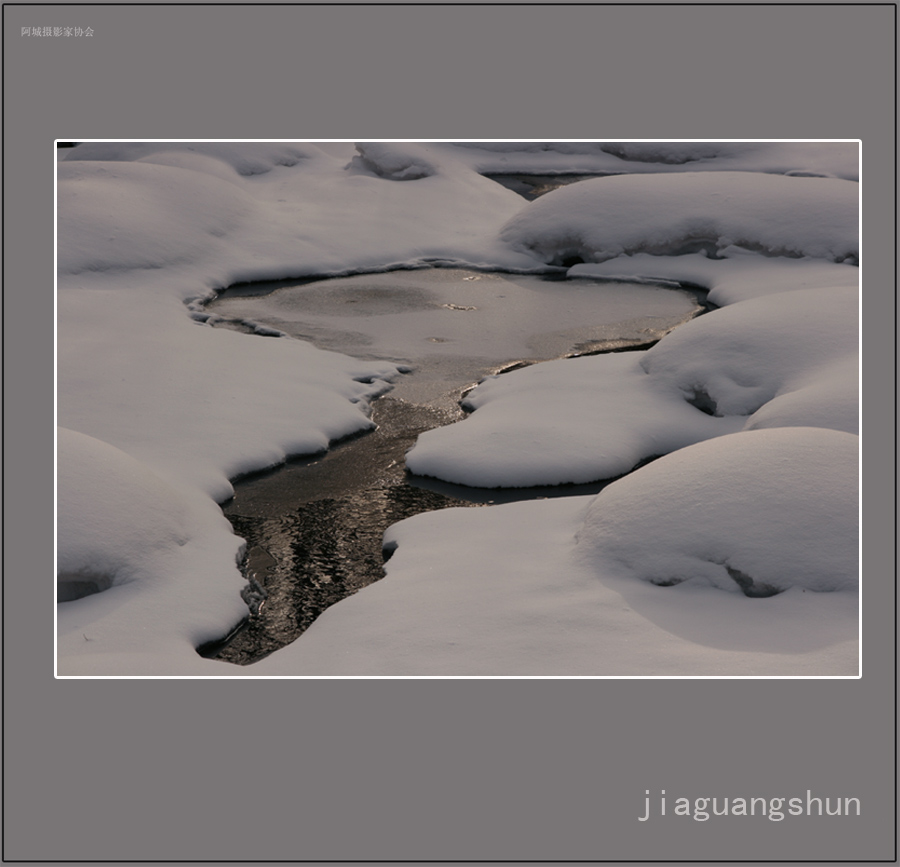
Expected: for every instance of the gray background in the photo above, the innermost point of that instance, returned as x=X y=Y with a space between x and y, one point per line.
x=432 y=770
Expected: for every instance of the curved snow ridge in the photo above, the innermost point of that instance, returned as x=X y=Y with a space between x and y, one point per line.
x=756 y=512
x=670 y=214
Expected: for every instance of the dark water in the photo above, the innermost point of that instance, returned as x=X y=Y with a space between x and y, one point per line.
x=314 y=527
x=531 y=187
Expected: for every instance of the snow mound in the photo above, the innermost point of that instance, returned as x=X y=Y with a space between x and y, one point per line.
x=114 y=515
x=735 y=360
x=826 y=397
x=756 y=512
x=671 y=214
x=398 y=162
x=575 y=420
x=245 y=158
x=124 y=215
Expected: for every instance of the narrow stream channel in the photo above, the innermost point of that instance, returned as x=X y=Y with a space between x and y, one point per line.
x=314 y=527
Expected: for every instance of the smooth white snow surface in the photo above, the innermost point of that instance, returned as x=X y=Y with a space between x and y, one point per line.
x=157 y=411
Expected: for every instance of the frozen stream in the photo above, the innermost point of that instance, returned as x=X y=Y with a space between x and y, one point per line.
x=314 y=527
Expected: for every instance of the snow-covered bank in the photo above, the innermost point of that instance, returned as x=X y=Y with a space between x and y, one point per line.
x=786 y=359
x=163 y=410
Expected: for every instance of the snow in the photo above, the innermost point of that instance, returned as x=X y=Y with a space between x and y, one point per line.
x=250 y=158
x=602 y=218
x=197 y=402
x=407 y=162
x=114 y=514
x=158 y=412
x=738 y=276
x=777 y=507
x=569 y=421
x=836 y=160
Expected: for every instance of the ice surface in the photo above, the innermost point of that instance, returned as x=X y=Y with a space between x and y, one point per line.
x=405 y=315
